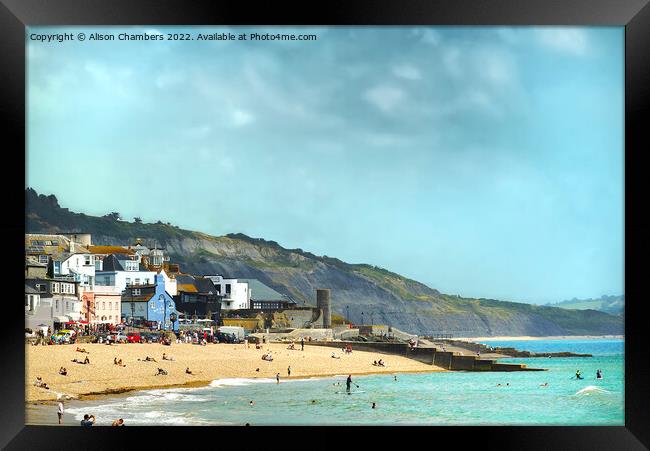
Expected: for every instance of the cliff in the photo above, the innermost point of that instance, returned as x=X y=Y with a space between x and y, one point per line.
x=368 y=293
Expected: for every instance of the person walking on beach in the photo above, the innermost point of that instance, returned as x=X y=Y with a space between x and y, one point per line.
x=289 y=371
x=277 y=378
x=59 y=411
x=302 y=344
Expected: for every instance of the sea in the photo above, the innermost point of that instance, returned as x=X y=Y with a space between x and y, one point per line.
x=443 y=398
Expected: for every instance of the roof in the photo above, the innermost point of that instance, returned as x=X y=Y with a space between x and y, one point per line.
x=204 y=285
x=30 y=290
x=110 y=250
x=45 y=243
x=261 y=292
x=32 y=262
x=112 y=264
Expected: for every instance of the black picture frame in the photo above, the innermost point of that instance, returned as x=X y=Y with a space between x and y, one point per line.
x=634 y=15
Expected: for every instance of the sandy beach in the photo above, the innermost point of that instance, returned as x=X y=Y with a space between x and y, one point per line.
x=554 y=337
x=214 y=361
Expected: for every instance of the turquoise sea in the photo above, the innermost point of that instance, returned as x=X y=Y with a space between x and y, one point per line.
x=449 y=398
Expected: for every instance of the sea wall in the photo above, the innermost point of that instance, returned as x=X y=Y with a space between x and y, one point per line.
x=446 y=360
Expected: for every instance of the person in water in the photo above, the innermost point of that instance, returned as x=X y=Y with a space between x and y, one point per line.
x=599 y=374
x=348 y=382
x=578 y=374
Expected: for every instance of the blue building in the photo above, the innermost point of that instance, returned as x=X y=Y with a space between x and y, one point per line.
x=149 y=303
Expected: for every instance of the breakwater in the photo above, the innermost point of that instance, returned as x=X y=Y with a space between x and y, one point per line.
x=432 y=356
x=507 y=351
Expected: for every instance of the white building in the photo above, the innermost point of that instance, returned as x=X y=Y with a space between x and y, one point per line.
x=69 y=259
x=236 y=295
x=120 y=273
x=57 y=301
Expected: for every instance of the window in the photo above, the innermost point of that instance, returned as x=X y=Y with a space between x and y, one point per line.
x=136 y=292
x=67 y=306
x=227 y=288
x=137 y=281
x=55 y=287
x=110 y=306
x=57 y=267
x=88 y=260
x=41 y=288
x=128 y=281
x=43 y=258
x=103 y=305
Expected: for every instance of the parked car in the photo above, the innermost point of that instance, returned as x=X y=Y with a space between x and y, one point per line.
x=134 y=338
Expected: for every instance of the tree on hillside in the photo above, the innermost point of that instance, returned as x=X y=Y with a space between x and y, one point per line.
x=137 y=220
x=113 y=215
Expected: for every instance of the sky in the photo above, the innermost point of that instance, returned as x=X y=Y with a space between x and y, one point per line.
x=481 y=161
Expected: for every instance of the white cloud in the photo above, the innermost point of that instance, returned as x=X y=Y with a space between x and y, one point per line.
x=384 y=97
x=240 y=118
x=407 y=71
x=566 y=40
x=428 y=36
x=169 y=78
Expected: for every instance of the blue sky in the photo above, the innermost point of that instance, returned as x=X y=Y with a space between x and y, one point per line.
x=483 y=162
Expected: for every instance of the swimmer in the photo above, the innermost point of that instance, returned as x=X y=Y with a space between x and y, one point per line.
x=545 y=384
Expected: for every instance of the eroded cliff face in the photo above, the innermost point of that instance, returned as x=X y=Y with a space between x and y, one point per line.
x=367 y=293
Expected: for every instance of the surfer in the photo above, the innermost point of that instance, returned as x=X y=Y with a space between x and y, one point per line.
x=599 y=374
x=578 y=374
x=348 y=382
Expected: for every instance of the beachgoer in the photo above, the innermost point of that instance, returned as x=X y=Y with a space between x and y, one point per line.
x=313 y=401
x=348 y=382
x=302 y=344
x=257 y=369
x=578 y=374
x=289 y=371
x=63 y=371
x=86 y=360
x=374 y=406
x=395 y=379
x=161 y=372
x=88 y=420
x=59 y=411
x=251 y=403
x=374 y=363
x=334 y=356
x=599 y=374
x=119 y=422
x=187 y=370
x=277 y=378
x=545 y=384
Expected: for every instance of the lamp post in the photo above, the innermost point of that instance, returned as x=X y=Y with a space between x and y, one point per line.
x=347 y=313
x=361 y=318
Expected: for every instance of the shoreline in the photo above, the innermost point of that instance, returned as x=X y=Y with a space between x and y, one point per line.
x=101 y=378
x=535 y=338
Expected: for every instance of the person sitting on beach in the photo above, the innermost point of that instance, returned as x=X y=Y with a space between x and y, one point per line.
x=258 y=346
x=161 y=372
x=149 y=359
x=38 y=382
x=258 y=370
x=381 y=363
x=334 y=356
x=63 y=371
x=87 y=421
x=86 y=360
x=187 y=370
x=164 y=357
x=115 y=361
x=268 y=357
x=81 y=349
x=291 y=346
x=374 y=363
